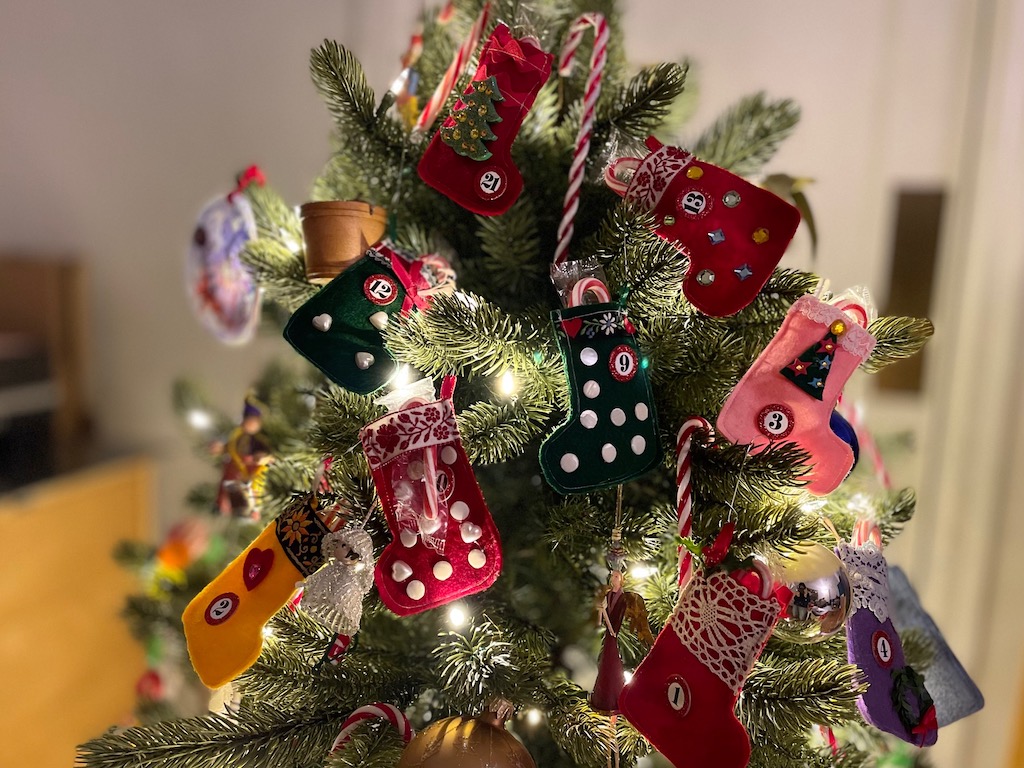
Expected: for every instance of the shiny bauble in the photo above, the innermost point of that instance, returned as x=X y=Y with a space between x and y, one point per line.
x=467 y=742
x=822 y=596
x=845 y=432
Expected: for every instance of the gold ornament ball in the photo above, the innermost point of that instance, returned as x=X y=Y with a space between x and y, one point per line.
x=467 y=742
x=822 y=596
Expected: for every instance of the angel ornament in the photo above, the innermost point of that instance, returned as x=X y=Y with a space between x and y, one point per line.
x=334 y=594
x=616 y=606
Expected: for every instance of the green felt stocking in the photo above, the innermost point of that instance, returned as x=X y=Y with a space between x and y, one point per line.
x=339 y=329
x=611 y=435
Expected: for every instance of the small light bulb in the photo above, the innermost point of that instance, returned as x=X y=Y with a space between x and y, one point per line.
x=199 y=419
x=628 y=676
x=641 y=571
x=534 y=717
x=457 y=616
x=268 y=633
x=507 y=383
x=401 y=378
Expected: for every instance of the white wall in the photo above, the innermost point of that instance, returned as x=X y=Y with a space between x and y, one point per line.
x=118 y=120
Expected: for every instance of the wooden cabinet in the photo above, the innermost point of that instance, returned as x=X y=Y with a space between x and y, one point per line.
x=67 y=662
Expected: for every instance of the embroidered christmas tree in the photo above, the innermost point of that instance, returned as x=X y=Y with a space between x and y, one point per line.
x=810 y=370
x=472 y=115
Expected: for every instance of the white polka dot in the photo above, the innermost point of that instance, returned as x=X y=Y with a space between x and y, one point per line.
x=449 y=455
x=416 y=470
x=478 y=558
x=618 y=417
x=570 y=462
x=591 y=389
x=588 y=356
x=400 y=571
x=443 y=570
x=415 y=589
x=638 y=444
x=588 y=419
x=641 y=411
x=470 y=532
x=408 y=537
x=459 y=510
x=608 y=453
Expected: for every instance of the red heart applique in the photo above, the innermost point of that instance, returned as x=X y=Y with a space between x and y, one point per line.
x=572 y=327
x=257 y=566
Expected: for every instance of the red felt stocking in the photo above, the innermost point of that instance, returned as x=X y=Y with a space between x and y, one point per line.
x=469 y=158
x=445 y=543
x=734 y=233
x=683 y=695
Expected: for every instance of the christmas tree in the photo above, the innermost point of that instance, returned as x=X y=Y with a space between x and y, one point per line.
x=590 y=431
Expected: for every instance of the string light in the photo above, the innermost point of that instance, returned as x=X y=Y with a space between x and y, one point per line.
x=199 y=419
x=289 y=242
x=268 y=633
x=534 y=717
x=457 y=616
x=641 y=571
x=401 y=379
x=628 y=676
x=507 y=383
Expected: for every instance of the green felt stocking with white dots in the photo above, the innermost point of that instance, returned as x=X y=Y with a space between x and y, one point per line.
x=611 y=435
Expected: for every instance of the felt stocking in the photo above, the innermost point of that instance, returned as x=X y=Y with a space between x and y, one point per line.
x=896 y=701
x=339 y=329
x=683 y=695
x=791 y=390
x=224 y=623
x=611 y=434
x=734 y=233
x=469 y=158
x=445 y=543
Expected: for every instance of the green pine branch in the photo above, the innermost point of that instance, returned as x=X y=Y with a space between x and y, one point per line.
x=897 y=338
x=747 y=136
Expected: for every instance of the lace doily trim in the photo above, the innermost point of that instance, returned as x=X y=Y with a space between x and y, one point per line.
x=724 y=625
x=869 y=578
x=420 y=426
x=856 y=340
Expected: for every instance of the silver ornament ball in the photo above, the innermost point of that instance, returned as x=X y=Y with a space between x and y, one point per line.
x=822 y=595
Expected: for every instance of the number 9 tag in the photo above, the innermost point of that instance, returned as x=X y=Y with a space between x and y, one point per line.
x=623 y=363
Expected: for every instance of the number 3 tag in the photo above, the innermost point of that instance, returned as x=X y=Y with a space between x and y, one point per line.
x=775 y=421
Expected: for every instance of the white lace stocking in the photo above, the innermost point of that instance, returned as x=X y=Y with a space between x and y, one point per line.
x=724 y=625
x=869 y=577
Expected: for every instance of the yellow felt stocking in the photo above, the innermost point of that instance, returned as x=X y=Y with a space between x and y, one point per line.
x=224 y=623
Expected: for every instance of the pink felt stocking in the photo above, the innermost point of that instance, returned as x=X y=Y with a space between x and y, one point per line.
x=792 y=388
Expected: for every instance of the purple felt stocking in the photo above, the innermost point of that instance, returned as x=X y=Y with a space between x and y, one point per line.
x=896 y=701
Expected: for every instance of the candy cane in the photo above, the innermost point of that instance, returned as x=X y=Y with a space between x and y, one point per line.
x=585 y=286
x=591 y=92
x=868 y=444
x=453 y=73
x=380 y=710
x=684 y=492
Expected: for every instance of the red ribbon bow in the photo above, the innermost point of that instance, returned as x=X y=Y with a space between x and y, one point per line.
x=927 y=724
x=716 y=553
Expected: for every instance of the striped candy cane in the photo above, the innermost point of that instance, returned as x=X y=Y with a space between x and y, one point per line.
x=380 y=710
x=453 y=73
x=684 y=491
x=592 y=91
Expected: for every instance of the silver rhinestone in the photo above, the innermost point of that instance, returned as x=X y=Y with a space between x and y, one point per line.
x=731 y=198
x=705 y=277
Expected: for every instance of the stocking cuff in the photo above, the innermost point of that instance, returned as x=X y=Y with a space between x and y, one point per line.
x=854 y=339
x=421 y=426
x=724 y=625
x=869 y=577
x=651 y=180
